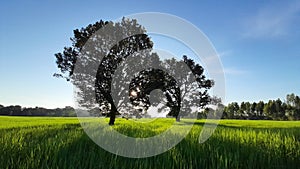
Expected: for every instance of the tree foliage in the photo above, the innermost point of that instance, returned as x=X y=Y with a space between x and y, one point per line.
x=37 y=111
x=273 y=109
x=86 y=59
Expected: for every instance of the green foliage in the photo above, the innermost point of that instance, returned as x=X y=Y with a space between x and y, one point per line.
x=37 y=111
x=39 y=142
x=272 y=110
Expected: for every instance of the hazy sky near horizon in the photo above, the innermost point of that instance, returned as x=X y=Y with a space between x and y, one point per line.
x=258 y=43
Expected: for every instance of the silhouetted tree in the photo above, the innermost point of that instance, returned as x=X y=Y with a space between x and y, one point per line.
x=253 y=113
x=193 y=85
x=186 y=80
x=151 y=79
x=112 y=56
x=260 y=109
x=108 y=66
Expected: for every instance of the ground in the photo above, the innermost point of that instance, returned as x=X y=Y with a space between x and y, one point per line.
x=57 y=142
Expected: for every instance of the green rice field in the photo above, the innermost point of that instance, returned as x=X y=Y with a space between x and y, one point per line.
x=57 y=142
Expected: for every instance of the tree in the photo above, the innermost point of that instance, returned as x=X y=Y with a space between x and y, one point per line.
x=270 y=109
x=297 y=102
x=293 y=106
x=108 y=66
x=86 y=61
x=260 y=108
x=193 y=85
x=231 y=110
x=290 y=99
x=243 y=108
x=248 y=108
x=151 y=79
x=279 y=110
x=184 y=86
x=253 y=113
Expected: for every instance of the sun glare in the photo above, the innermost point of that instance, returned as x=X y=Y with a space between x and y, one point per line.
x=133 y=93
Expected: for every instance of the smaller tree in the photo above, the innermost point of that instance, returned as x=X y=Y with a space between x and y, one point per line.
x=280 y=112
x=270 y=109
x=231 y=110
x=151 y=79
x=253 y=113
x=260 y=109
x=180 y=87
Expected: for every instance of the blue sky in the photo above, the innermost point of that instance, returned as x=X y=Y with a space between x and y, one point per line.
x=258 y=43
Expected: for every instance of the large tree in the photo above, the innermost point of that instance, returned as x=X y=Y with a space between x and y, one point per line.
x=78 y=62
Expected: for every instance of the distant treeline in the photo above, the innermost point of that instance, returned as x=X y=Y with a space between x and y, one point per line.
x=289 y=109
x=37 y=111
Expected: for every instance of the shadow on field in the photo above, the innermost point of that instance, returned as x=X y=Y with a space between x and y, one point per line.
x=68 y=146
x=234 y=151
x=221 y=152
x=82 y=152
x=217 y=152
x=196 y=123
x=243 y=127
x=285 y=131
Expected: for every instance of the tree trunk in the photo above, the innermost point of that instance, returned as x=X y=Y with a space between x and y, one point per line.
x=177 y=115
x=113 y=113
x=178 y=118
x=112 y=119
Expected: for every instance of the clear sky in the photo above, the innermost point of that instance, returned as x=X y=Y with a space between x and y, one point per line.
x=258 y=42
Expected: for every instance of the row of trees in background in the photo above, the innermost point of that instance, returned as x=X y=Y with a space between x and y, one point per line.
x=289 y=109
x=37 y=111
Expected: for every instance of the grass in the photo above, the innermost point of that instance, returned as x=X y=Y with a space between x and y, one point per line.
x=41 y=142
